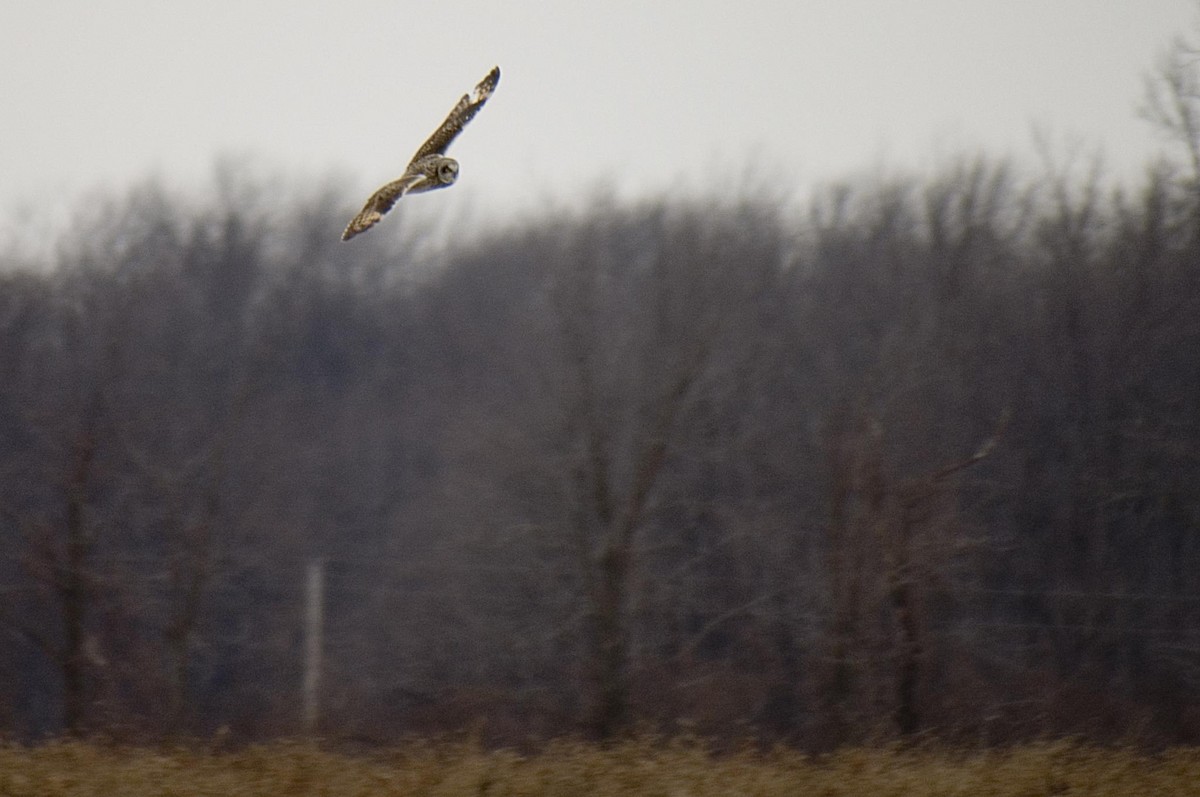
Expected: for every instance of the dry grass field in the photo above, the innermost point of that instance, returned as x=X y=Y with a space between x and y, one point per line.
x=650 y=769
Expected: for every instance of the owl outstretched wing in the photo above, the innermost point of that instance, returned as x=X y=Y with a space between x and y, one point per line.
x=380 y=203
x=464 y=111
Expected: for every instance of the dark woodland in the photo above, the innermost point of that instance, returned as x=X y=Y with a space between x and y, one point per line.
x=920 y=460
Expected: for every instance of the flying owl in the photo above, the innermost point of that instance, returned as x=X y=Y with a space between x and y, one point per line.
x=429 y=168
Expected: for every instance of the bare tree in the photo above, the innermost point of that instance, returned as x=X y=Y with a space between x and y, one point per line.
x=70 y=420
x=1172 y=100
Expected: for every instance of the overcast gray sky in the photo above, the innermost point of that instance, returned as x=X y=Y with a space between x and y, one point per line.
x=642 y=97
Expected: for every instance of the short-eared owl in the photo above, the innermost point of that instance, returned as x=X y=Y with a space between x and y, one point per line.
x=429 y=168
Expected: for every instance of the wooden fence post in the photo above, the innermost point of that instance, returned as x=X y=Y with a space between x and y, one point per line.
x=314 y=621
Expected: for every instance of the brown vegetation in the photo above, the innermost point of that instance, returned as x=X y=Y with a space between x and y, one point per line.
x=568 y=769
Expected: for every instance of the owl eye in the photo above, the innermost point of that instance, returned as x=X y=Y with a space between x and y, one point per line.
x=448 y=171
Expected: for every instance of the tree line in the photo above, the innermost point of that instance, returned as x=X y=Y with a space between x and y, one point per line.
x=921 y=459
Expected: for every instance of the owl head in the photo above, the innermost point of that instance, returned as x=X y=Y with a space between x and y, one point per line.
x=447 y=171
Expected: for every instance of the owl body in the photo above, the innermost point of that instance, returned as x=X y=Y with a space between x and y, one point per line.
x=435 y=171
x=429 y=169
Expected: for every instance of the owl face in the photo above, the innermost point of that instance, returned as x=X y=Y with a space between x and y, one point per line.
x=447 y=171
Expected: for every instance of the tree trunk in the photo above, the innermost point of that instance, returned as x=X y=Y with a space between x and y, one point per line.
x=73 y=587
x=609 y=645
x=908 y=717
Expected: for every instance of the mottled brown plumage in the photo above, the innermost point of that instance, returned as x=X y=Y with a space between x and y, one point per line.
x=429 y=168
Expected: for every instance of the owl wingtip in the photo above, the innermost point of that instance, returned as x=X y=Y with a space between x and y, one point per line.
x=364 y=221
